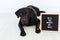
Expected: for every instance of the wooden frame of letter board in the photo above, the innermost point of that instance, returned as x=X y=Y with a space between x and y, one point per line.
x=48 y=14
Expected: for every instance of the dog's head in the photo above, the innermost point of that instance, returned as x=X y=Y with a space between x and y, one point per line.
x=23 y=14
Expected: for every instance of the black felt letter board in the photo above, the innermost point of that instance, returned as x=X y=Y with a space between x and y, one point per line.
x=50 y=22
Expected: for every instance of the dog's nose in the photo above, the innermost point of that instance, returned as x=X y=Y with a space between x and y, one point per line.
x=24 y=21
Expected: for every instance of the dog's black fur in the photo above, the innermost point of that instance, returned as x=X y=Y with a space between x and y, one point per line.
x=28 y=17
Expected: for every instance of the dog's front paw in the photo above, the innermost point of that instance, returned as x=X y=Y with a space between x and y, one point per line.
x=23 y=34
x=37 y=30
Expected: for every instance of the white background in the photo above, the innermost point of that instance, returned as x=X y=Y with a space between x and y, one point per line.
x=9 y=23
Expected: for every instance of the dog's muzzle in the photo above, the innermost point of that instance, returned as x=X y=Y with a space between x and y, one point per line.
x=24 y=21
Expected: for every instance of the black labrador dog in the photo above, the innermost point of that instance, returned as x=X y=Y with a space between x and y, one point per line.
x=28 y=17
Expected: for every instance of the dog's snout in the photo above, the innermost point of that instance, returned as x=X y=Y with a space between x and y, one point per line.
x=24 y=21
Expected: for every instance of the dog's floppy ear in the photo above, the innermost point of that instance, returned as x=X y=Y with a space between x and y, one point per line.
x=17 y=14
